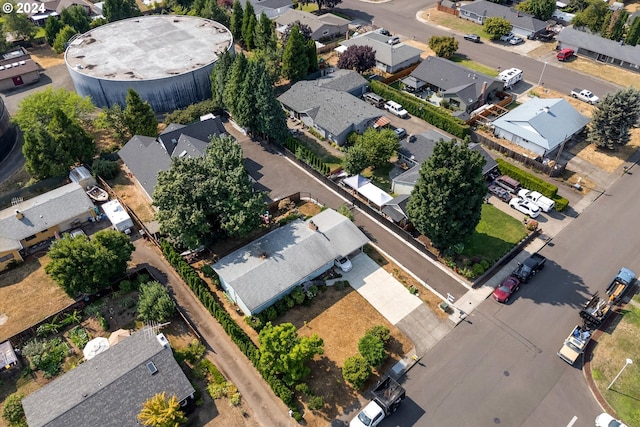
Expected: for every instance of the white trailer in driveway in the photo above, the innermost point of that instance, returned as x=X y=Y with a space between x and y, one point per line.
x=118 y=216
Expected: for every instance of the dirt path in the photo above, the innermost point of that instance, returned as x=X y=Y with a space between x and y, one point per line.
x=266 y=409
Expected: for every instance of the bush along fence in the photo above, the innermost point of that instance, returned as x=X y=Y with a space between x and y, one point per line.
x=201 y=289
x=533 y=183
x=437 y=116
x=306 y=155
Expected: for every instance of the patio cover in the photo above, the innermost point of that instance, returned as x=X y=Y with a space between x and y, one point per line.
x=356 y=181
x=374 y=194
x=340 y=49
x=381 y=122
x=413 y=82
x=95 y=346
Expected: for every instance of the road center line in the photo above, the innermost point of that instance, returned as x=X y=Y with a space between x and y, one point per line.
x=573 y=421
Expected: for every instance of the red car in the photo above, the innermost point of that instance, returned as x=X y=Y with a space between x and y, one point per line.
x=508 y=288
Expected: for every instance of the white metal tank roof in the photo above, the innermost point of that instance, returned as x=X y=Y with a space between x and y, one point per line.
x=148 y=47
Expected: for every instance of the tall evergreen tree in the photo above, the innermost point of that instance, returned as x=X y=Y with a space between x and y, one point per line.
x=613 y=117
x=77 y=17
x=237 y=16
x=219 y=76
x=115 y=10
x=265 y=35
x=213 y=11
x=272 y=120
x=617 y=29
x=51 y=29
x=633 y=35
x=446 y=203
x=246 y=113
x=233 y=86
x=295 y=59
x=139 y=116
x=312 y=53
x=249 y=26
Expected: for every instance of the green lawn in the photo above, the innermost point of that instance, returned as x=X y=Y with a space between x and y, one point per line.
x=321 y=152
x=461 y=25
x=309 y=7
x=620 y=341
x=462 y=60
x=494 y=236
x=380 y=177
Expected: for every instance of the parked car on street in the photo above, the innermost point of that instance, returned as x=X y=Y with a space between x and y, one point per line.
x=343 y=263
x=565 y=54
x=524 y=206
x=516 y=40
x=472 y=38
x=606 y=420
x=509 y=286
x=400 y=132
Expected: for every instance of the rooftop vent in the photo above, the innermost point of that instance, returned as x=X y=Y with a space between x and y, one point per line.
x=313 y=226
x=19 y=215
x=152 y=368
x=162 y=340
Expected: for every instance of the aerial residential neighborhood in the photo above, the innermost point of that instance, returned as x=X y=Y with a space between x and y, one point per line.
x=327 y=213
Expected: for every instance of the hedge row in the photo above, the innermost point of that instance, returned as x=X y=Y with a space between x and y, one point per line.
x=235 y=332
x=437 y=116
x=533 y=183
x=302 y=153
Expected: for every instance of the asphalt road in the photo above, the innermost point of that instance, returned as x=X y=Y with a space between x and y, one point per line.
x=399 y=17
x=500 y=367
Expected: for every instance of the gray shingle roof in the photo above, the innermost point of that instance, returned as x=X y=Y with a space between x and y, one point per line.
x=595 y=43
x=385 y=53
x=330 y=109
x=269 y=4
x=396 y=208
x=109 y=389
x=42 y=212
x=292 y=253
x=448 y=75
x=342 y=80
x=313 y=21
x=422 y=148
x=146 y=157
x=517 y=19
x=544 y=122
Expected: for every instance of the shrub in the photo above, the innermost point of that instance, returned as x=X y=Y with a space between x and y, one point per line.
x=381 y=332
x=477 y=269
x=12 y=411
x=127 y=286
x=46 y=356
x=312 y=292
x=107 y=169
x=289 y=302
x=371 y=348
x=527 y=179
x=271 y=313
x=356 y=370
x=316 y=403
x=298 y=295
x=79 y=337
x=194 y=351
x=103 y=322
x=208 y=271
x=255 y=322
x=281 y=307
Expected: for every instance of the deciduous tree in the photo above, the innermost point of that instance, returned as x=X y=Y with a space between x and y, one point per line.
x=139 y=116
x=356 y=160
x=154 y=303
x=12 y=410
x=112 y=120
x=379 y=146
x=496 y=26
x=371 y=348
x=283 y=352
x=592 y=16
x=295 y=60
x=80 y=265
x=541 y=9
x=443 y=46
x=200 y=198
x=60 y=43
x=19 y=24
x=613 y=118
x=446 y=203
x=76 y=17
x=160 y=411
x=115 y=10
x=358 y=58
x=356 y=371
x=51 y=29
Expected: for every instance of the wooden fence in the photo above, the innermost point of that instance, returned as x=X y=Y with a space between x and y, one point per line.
x=449 y=10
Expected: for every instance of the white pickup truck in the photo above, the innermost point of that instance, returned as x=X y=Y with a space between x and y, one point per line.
x=575 y=344
x=585 y=95
x=543 y=202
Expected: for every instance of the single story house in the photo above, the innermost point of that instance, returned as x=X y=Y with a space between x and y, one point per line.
x=603 y=50
x=345 y=81
x=271 y=8
x=389 y=58
x=332 y=113
x=264 y=271
x=522 y=24
x=323 y=27
x=540 y=125
x=18 y=69
x=40 y=218
x=413 y=154
x=146 y=156
x=109 y=389
x=463 y=88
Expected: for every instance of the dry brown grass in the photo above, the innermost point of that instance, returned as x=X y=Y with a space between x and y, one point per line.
x=46 y=56
x=422 y=46
x=28 y=296
x=610 y=73
x=132 y=196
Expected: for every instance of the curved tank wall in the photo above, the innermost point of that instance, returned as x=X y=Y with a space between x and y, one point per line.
x=166 y=59
x=7 y=132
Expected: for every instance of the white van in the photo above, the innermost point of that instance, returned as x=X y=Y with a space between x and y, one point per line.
x=510 y=77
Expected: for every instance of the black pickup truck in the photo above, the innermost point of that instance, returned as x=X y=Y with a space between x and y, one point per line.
x=527 y=269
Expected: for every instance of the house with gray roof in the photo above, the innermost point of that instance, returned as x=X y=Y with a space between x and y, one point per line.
x=540 y=125
x=110 y=389
x=389 y=58
x=522 y=24
x=464 y=89
x=332 y=113
x=323 y=27
x=396 y=210
x=414 y=154
x=602 y=50
x=145 y=156
x=259 y=274
x=40 y=218
x=271 y=8
x=345 y=81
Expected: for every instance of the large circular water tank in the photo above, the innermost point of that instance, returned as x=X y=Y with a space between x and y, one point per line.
x=167 y=59
x=7 y=132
